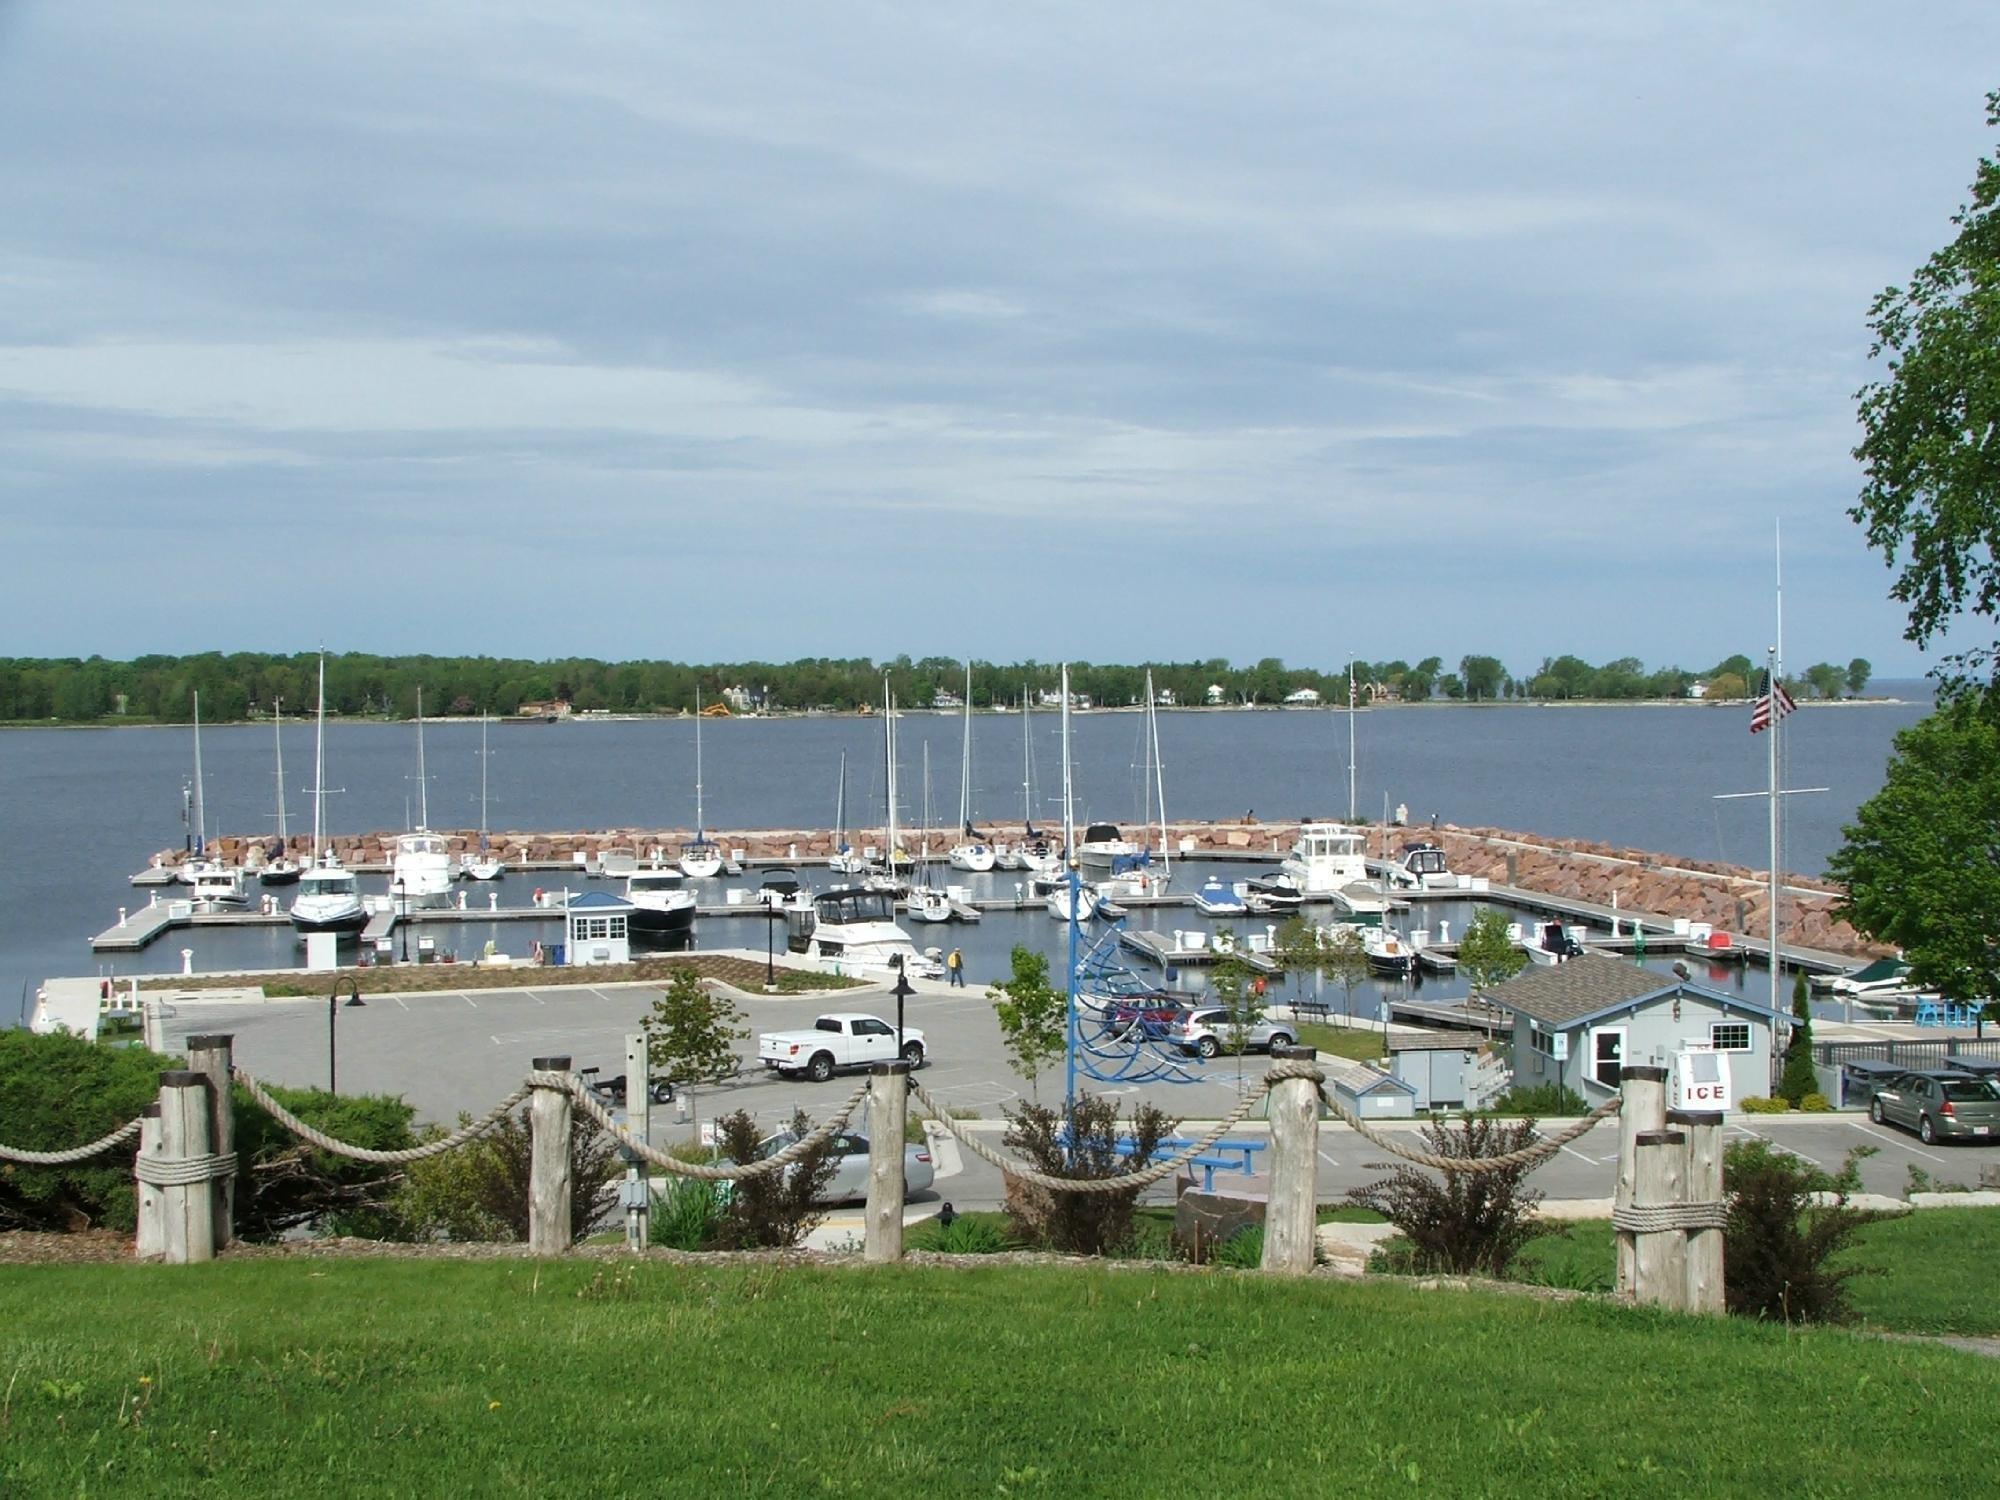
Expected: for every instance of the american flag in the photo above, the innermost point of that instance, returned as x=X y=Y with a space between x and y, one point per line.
x=1761 y=716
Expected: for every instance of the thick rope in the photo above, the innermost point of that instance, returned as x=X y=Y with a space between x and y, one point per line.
x=338 y=1147
x=117 y=1138
x=804 y=1146
x=1124 y=1182
x=1669 y=1216
x=1527 y=1156
x=183 y=1171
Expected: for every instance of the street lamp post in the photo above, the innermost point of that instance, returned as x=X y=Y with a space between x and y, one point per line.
x=771 y=915
x=402 y=892
x=332 y=1010
x=902 y=991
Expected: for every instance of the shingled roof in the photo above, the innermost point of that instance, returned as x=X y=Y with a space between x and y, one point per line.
x=1582 y=986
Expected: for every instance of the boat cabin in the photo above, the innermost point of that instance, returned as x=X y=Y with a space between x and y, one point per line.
x=849 y=906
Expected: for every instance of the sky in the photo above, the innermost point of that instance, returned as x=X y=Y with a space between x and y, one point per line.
x=1112 y=332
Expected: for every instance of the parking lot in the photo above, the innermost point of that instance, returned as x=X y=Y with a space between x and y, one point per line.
x=448 y=1052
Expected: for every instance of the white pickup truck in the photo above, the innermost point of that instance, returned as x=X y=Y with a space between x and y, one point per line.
x=840 y=1040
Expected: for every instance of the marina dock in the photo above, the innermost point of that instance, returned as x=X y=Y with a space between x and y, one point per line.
x=140 y=928
x=1171 y=950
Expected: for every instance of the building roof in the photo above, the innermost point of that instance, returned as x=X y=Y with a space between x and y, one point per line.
x=1357 y=1077
x=1436 y=1041
x=599 y=901
x=1592 y=984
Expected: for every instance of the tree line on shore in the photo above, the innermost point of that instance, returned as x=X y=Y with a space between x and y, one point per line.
x=242 y=685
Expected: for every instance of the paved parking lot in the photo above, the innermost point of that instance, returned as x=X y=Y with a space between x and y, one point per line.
x=454 y=1051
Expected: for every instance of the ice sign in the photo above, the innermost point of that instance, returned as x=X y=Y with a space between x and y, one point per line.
x=1701 y=1080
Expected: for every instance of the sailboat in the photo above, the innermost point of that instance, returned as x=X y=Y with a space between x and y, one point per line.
x=329 y=899
x=217 y=886
x=974 y=851
x=1056 y=892
x=1134 y=875
x=485 y=865
x=279 y=868
x=701 y=857
x=889 y=877
x=1034 y=853
x=844 y=860
x=421 y=869
x=927 y=902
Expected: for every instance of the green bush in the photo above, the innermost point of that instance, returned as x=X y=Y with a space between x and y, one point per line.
x=1777 y=1245
x=685 y=1215
x=962 y=1236
x=479 y=1192
x=778 y=1209
x=1082 y=1145
x=1816 y=1103
x=1471 y=1223
x=1242 y=1251
x=1543 y=1101
x=285 y=1185
x=1760 y=1106
x=57 y=1092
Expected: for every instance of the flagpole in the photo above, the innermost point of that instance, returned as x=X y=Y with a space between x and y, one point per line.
x=1777 y=666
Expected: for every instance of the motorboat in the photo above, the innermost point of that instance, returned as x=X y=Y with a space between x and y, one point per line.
x=220 y=889
x=929 y=904
x=1326 y=858
x=1423 y=865
x=1361 y=904
x=701 y=856
x=1056 y=899
x=853 y=931
x=1548 y=944
x=1217 y=899
x=329 y=898
x=1386 y=951
x=617 y=862
x=1274 y=892
x=1103 y=847
x=484 y=864
x=663 y=908
x=421 y=868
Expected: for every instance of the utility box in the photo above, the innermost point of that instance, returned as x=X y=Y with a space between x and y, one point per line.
x=322 y=952
x=1700 y=1081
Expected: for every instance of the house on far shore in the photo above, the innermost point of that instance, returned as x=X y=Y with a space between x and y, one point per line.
x=1217 y=695
x=548 y=708
x=1303 y=698
x=1577 y=1024
x=1697 y=690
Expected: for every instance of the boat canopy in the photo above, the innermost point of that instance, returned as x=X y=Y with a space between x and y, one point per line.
x=1101 y=833
x=852 y=904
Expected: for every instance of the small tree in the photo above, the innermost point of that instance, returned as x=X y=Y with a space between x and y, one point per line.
x=1472 y=1222
x=1298 y=947
x=778 y=1209
x=1033 y=1016
x=1238 y=989
x=1486 y=955
x=1798 y=1079
x=1858 y=672
x=480 y=1191
x=1083 y=1144
x=1779 y=1241
x=690 y=1033
x=1345 y=962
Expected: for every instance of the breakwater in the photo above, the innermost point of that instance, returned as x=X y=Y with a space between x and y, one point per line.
x=1731 y=898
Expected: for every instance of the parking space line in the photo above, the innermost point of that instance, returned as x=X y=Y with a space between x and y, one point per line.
x=1329 y=1160
x=400 y=1001
x=1780 y=1146
x=1894 y=1140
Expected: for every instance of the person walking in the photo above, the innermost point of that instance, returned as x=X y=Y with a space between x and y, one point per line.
x=955 y=968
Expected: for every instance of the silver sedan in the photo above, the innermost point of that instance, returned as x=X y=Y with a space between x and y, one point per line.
x=850 y=1166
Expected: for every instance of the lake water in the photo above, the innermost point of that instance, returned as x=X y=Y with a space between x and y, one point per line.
x=80 y=810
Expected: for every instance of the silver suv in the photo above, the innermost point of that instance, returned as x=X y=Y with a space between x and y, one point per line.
x=1208 y=1031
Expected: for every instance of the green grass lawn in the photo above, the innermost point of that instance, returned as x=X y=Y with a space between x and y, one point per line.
x=385 y=1377
x=1343 y=1041
x=1936 y=1269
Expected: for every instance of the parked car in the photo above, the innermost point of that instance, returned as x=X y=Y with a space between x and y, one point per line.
x=1209 y=1031
x=840 y=1040
x=850 y=1165
x=1939 y=1106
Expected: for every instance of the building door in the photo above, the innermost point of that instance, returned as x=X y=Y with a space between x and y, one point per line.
x=1607 y=1053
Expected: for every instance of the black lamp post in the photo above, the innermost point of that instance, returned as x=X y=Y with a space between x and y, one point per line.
x=902 y=992
x=332 y=1010
x=771 y=915
x=403 y=916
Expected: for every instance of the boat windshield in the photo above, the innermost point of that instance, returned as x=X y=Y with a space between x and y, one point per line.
x=841 y=908
x=654 y=883
x=329 y=882
x=420 y=843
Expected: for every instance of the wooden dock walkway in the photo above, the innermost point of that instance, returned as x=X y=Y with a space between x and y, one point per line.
x=141 y=927
x=1161 y=949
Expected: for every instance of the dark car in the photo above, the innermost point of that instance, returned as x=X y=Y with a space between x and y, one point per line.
x=1939 y=1106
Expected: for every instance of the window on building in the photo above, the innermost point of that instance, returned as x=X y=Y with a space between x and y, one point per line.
x=1729 y=1036
x=1607 y=1054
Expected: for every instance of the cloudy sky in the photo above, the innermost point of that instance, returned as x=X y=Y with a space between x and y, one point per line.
x=1107 y=331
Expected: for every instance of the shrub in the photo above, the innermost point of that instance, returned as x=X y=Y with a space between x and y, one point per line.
x=57 y=1092
x=1242 y=1251
x=1815 y=1103
x=1777 y=1246
x=962 y=1236
x=1083 y=1146
x=779 y=1209
x=285 y=1185
x=480 y=1191
x=686 y=1214
x=1471 y=1222
x=1759 y=1106
x=1798 y=1078
x=1543 y=1101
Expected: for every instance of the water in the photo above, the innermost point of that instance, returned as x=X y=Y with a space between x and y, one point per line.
x=80 y=810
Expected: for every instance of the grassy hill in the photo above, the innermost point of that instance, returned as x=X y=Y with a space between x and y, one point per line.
x=609 y=1377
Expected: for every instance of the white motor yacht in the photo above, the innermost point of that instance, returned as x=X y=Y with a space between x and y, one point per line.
x=854 y=931
x=1326 y=858
x=329 y=900
x=220 y=888
x=662 y=908
x=420 y=872
x=1103 y=847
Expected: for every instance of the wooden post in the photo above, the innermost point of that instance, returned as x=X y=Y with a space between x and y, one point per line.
x=187 y=1221
x=1290 y=1217
x=888 y=1108
x=548 y=1172
x=1702 y=1175
x=1643 y=1108
x=1659 y=1181
x=638 y=1125
x=152 y=1229
x=214 y=1057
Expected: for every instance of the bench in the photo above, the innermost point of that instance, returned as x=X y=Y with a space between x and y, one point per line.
x=1318 y=1009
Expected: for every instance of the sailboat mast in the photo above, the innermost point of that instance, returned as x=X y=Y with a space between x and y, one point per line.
x=1027 y=765
x=1352 y=804
x=423 y=779
x=482 y=782
x=840 y=810
x=965 y=760
x=700 y=823
x=319 y=768
x=1159 y=772
x=278 y=734
x=1069 y=812
x=200 y=790
x=889 y=775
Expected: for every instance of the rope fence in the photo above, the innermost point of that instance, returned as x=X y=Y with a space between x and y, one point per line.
x=803 y=1147
x=334 y=1146
x=126 y=1132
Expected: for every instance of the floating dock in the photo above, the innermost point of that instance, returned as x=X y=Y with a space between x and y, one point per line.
x=1170 y=951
